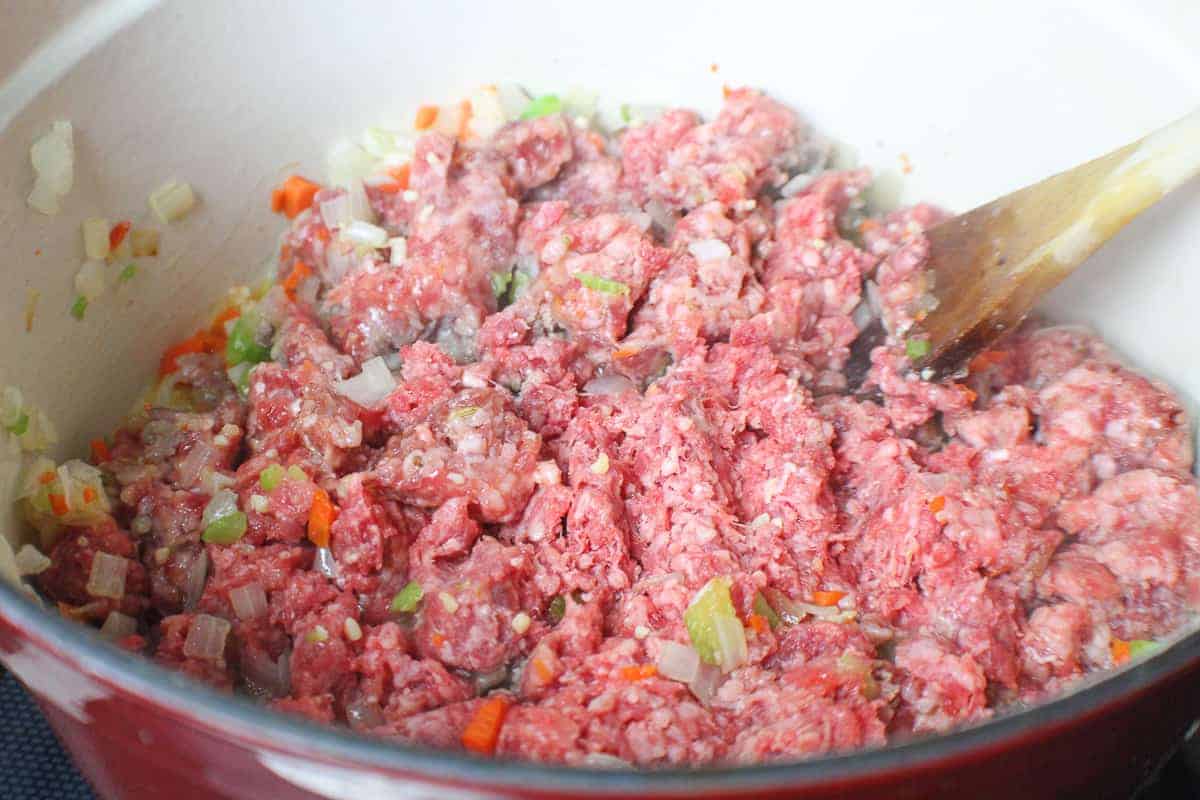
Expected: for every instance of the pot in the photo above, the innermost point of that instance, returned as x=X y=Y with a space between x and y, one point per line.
x=976 y=99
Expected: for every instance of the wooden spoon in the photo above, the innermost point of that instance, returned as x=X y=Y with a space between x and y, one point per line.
x=990 y=265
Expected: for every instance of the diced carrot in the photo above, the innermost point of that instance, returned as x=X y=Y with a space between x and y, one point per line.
x=937 y=504
x=299 y=272
x=201 y=342
x=638 y=672
x=827 y=598
x=758 y=623
x=544 y=673
x=117 y=234
x=483 y=731
x=322 y=233
x=89 y=494
x=295 y=196
x=218 y=325
x=402 y=174
x=47 y=477
x=726 y=91
x=388 y=188
x=464 y=119
x=1120 y=651
x=426 y=116
x=320 y=518
x=438 y=639
x=625 y=352
x=969 y=395
x=58 y=504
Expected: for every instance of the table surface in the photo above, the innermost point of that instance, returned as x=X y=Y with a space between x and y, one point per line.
x=33 y=765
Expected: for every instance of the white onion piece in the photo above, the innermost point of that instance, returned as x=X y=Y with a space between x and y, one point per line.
x=360 y=205
x=709 y=250
x=95 y=237
x=53 y=159
x=171 y=201
x=197 y=572
x=335 y=213
x=200 y=456
x=399 y=246
x=89 y=281
x=381 y=143
x=731 y=641
x=213 y=481
x=363 y=715
x=369 y=387
x=604 y=761
x=365 y=234
x=30 y=561
x=107 y=578
x=118 y=626
x=348 y=164
x=704 y=686
x=267 y=676
x=206 y=638
x=249 y=601
x=609 y=385
x=222 y=504
x=678 y=662
x=827 y=613
x=326 y=563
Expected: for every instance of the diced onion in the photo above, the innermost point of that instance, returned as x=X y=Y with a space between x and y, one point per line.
x=200 y=456
x=335 y=213
x=222 y=504
x=89 y=281
x=609 y=385
x=107 y=578
x=118 y=626
x=709 y=250
x=363 y=715
x=678 y=662
x=348 y=164
x=704 y=686
x=206 y=638
x=172 y=201
x=604 y=761
x=197 y=572
x=95 y=237
x=53 y=159
x=326 y=563
x=399 y=246
x=365 y=234
x=369 y=387
x=31 y=561
x=731 y=641
x=267 y=676
x=143 y=242
x=249 y=601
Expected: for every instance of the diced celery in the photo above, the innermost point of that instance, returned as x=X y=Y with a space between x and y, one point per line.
x=407 y=599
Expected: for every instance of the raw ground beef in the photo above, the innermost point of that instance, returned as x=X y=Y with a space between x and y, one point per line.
x=617 y=367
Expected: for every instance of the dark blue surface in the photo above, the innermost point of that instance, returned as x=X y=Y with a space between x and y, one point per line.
x=32 y=764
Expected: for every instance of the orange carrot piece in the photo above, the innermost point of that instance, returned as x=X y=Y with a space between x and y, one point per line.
x=464 y=119
x=1120 y=651
x=483 y=731
x=196 y=343
x=437 y=639
x=402 y=174
x=218 y=325
x=544 y=673
x=296 y=195
x=827 y=598
x=277 y=200
x=638 y=672
x=117 y=234
x=426 y=116
x=89 y=494
x=320 y=518
x=937 y=504
x=299 y=272
x=758 y=623
x=58 y=504
x=47 y=477
x=100 y=451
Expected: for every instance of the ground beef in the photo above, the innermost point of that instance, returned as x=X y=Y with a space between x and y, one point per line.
x=618 y=376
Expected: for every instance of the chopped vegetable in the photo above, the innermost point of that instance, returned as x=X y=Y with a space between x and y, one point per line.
x=79 y=307
x=243 y=345
x=937 y=504
x=500 y=283
x=89 y=281
x=107 y=577
x=638 y=672
x=202 y=342
x=295 y=473
x=399 y=250
x=370 y=387
x=521 y=622
x=299 y=272
x=678 y=662
x=294 y=196
x=249 y=601
x=426 y=117
x=270 y=477
x=31 y=561
x=599 y=284
x=118 y=626
x=828 y=598
x=172 y=201
x=227 y=529
x=763 y=609
x=407 y=599
x=95 y=237
x=713 y=626
x=206 y=638
x=100 y=451
x=558 y=608
x=483 y=731
x=916 y=348
x=53 y=159
x=320 y=518
x=542 y=106
x=365 y=234
x=116 y=236
x=20 y=426
x=143 y=242
x=463 y=412
x=317 y=635
x=1142 y=647
x=128 y=273
x=758 y=623
x=1120 y=650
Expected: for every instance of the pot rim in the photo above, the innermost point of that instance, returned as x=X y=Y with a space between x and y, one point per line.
x=252 y=724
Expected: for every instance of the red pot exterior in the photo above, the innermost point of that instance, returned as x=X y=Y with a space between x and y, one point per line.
x=133 y=747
